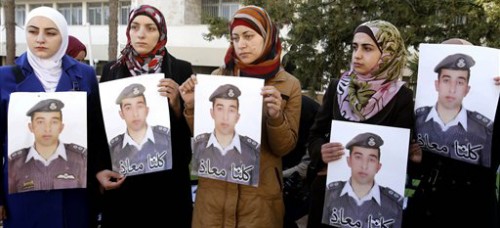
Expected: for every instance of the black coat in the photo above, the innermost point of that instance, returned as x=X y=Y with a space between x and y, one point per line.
x=164 y=197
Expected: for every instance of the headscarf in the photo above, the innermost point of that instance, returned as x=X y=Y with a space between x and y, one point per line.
x=75 y=47
x=268 y=64
x=49 y=70
x=362 y=96
x=150 y=62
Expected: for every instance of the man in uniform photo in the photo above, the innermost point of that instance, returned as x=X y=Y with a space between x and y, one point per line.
x=360 y=201
x=224 y=154
x=448 y=128
x=49 y=163
x=142 y=148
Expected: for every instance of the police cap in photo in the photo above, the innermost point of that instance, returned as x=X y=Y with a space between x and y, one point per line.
x=366 y=140
x=455 y=62
x=226 y=91
x=131 y=91
x=48 y=105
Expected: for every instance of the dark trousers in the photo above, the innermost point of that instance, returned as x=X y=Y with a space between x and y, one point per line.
x=453 y=203
x=295 y=208
x=318 y=187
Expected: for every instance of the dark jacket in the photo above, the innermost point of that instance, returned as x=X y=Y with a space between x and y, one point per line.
x=343 y=211
x=471 y=145
x=55 y=208
x=161 y=197
x=241 y=167
x=308 y=111
x=33 y=175
x=152 y=157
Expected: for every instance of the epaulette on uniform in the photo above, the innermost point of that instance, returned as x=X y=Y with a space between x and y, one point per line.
x=202 y=137
x=249 y=141
x=116 y=139
x=75 y=148
x=335 y=185
x=481 y=119
x=19 y=153
x=425 y=109
x=161 y=130
x=393 y=195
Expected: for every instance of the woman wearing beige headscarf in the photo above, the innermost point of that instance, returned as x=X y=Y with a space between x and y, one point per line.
x=371 y=91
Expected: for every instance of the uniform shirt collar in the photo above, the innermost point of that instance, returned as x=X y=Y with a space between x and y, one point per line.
x=60 y=151
x=461 y=118
x=149 y=136
x=373 y=193
x=235 y=143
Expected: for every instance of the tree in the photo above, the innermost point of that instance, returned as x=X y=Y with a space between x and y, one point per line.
x=113 y=30
x=321 y=30
x=10 y=30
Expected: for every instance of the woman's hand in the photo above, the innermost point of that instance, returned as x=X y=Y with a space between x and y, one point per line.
x=332 y=152
x=170 y=89
x=415 y=152
x=187 y=91
x=105 y=177
x=272 y=101
x=3 y=213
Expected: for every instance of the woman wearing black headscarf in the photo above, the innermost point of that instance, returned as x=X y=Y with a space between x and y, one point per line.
x=133 y=201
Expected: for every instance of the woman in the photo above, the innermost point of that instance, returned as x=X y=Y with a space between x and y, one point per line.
x=44 y=67
x=370 y=92
x=254 y=52
x=134 y=201
x=76 y=49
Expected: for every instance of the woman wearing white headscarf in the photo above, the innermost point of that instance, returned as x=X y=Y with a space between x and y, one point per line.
x=46 y=68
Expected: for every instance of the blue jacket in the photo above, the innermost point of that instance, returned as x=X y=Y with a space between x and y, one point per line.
x=67 y=208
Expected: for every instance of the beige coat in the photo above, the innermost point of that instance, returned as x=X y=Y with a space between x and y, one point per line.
x=223 y=204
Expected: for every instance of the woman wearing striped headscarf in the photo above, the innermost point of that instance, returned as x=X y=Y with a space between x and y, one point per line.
x=370 y=92
x=133 y=201
x=254 y=52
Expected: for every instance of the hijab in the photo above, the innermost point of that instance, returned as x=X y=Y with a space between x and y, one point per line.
x=268 y=64
x=49 y=70
x=150 y=62
x=362 y=96
x=75 y=47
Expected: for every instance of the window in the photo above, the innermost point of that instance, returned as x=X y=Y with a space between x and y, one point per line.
x=98 y=13
x=20 y=15
x=219 y=8
x=123 y=10
x=228 y=8
x=34 y=6
x=72 y=12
